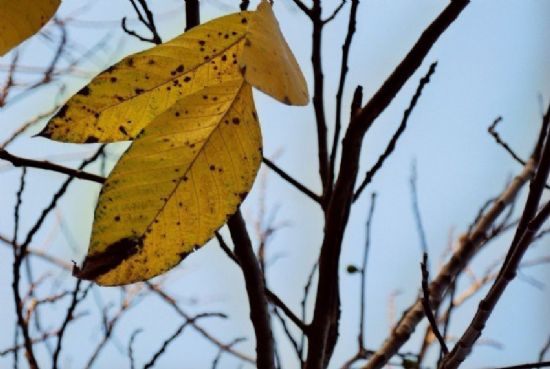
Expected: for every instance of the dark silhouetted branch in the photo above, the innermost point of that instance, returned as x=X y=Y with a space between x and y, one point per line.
x=341 y=84
x=428 y=308
x=259 y=314
x=393 y=141
x=192 y=14
x=147 y=20
x=45 y=165
x=300 y=187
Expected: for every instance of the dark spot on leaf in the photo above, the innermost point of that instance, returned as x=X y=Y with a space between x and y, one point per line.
x=150 y=62
x=244 y=20
x=117 y=218
x=139 y=91
x=235 y=120
x=212 y=167
x=177 y=114
x=84 y=91
x=179 y=69
x=205 y=97
x=187 y=79
x=130 y=62
x=113 y=79
x=96 y=115
x=183 y=255
x=201 y=42
x=91 y=139
x=286 y=100
x=123 y=130
x=61 y=113
x=224 y=57
x=101 y=263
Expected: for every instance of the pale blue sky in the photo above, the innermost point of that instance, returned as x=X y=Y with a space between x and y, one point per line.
x=494 y=60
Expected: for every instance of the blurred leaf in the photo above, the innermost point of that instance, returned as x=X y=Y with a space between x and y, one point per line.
x=23 y=18
x=268 y=63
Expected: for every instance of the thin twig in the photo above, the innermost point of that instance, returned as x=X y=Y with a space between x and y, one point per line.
x=46 y=165
x=149 y=23
x=393 y=141
x=341 y=84
x=428 y=309
x=175 y=335
x=530 y=223
x=416 y=209
x=335 y=12
x=492 y=131
x=300 y=187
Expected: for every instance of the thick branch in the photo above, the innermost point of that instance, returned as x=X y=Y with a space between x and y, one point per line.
x=327 y=306
x=259 y=314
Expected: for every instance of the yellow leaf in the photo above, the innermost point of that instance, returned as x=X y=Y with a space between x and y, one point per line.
x=268 y=62
x=122 y=100
x=20 y=19
x=178 y=182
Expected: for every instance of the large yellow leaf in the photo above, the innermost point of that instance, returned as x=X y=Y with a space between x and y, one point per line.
x=178 y=182
x=122 y=100
x=267 y=62
x=20 y=19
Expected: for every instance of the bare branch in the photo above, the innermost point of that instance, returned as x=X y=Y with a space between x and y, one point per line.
x=428 y=309
x=393 y=141
x=300 y=187
x=46 y=165
x=255 y=288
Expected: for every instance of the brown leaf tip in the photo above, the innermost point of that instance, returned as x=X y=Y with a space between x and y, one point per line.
x=101 y=263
